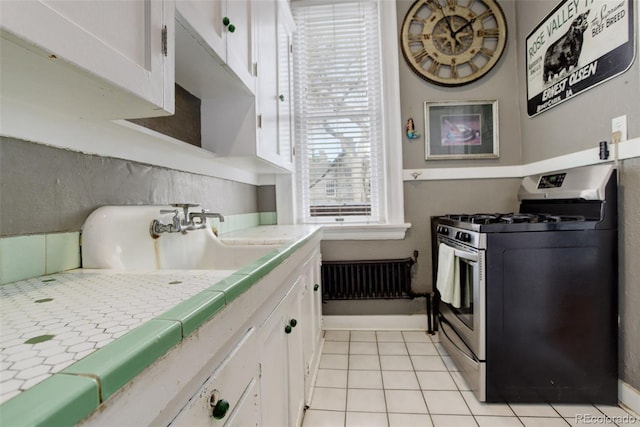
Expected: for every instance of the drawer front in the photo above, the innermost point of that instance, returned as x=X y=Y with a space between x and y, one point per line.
x=231 y=388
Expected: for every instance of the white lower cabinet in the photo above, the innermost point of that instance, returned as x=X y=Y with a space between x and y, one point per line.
x=266 y=379
x=229 y=397
x=311 y=323
x=273 y=368
x=295 y=368
x=281 y=364
x=286 y=345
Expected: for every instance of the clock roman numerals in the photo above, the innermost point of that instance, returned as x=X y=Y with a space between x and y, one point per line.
x=487 y=52
x=489 y=32
x=434 y=68
x=421 y=55
x=484 y=15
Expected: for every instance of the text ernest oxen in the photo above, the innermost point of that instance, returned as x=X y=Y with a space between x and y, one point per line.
x=558 y=91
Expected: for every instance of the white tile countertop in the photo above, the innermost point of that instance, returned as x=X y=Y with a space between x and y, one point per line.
x=70 y=315
x=50 y=322
x=268 y=234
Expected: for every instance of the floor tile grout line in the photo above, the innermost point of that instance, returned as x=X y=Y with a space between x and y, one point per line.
x=346 y=392
x=424 y=399
x=474 y=416
x=384 y=395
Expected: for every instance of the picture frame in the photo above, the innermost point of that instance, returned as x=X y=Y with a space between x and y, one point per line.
x=461 y=130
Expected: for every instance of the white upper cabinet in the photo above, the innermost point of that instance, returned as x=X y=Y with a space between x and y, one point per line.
x=225 y=29
x=274 y=136
x=120 y=53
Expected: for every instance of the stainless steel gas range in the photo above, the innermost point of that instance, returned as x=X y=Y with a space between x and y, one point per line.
x=528 y=300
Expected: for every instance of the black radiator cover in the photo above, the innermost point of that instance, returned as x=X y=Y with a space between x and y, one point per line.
x=370 y=279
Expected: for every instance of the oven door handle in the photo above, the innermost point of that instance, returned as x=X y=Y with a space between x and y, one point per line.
x=470 y=256
x=466 y=255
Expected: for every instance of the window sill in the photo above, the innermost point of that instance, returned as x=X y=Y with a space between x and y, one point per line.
x=365 y=231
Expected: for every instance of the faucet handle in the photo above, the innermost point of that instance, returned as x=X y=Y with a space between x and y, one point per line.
x=185 y=208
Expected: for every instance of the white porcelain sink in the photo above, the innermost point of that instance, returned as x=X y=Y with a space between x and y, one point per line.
x=119 y=238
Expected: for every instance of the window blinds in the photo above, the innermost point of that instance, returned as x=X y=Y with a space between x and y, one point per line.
x=338 y=101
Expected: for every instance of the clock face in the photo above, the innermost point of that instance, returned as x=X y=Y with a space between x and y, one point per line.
x=453 y=42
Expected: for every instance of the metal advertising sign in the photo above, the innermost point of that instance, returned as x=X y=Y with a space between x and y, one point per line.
x=580 y=44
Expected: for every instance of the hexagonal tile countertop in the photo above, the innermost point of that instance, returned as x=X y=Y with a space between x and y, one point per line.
x=51 y=322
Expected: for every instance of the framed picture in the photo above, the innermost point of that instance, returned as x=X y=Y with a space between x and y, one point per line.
x=461 y=130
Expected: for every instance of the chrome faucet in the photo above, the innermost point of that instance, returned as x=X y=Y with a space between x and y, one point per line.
x=187 y=223
x=202 y=216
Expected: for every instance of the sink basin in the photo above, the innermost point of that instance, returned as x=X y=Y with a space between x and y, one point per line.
x=118 y=237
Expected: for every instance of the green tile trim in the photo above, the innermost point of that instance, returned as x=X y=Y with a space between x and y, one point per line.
x=262 y=266
x=195 y=311
x=233 y=286
x=22 y=257
x=119 y=362
x=61 y=400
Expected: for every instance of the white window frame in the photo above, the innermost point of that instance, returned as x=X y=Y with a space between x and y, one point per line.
x=392 y=200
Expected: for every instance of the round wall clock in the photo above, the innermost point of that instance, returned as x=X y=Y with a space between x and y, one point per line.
x=455 y=42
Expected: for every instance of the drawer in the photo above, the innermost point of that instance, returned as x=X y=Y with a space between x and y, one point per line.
x=230 y=392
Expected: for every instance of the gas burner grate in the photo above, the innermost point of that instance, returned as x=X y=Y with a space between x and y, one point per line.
x=513 y=218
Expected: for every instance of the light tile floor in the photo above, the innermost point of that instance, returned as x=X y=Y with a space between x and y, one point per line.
x=398 y=379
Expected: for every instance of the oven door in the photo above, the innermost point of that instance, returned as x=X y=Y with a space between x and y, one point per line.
x=468 y=320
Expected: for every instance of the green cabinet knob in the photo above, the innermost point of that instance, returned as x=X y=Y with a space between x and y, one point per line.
x=220 y=410
x=293 y=323
x=225 y=21
x=316 y=287
x=281 y=98
x=287 y=329
x=231 y=28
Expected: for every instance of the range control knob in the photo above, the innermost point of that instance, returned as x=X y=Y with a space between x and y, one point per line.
x=465 y=237
x=443 y=230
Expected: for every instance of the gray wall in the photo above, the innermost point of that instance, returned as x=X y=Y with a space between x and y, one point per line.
x=629 y=282
x=499 y=84
x=576 y=125
x=45 y=189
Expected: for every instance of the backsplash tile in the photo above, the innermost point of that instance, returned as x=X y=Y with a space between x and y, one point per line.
x=22 y=257
x=268 y=218
x=62 y=251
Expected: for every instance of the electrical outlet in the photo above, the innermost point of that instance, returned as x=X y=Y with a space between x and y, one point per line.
x=618 y=129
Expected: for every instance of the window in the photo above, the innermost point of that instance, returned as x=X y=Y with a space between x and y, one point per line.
x=340 y=140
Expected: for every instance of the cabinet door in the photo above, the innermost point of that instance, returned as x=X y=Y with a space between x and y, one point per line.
x=240 y=42
x=273 y=369
x=296 y=353
x=228 y=396
x=120 y=42
x=274 y=85
x=267 y=90
x=312 y=306
x=317 y=299
x=285 y=74
x=247 y=413
x=206 y=19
